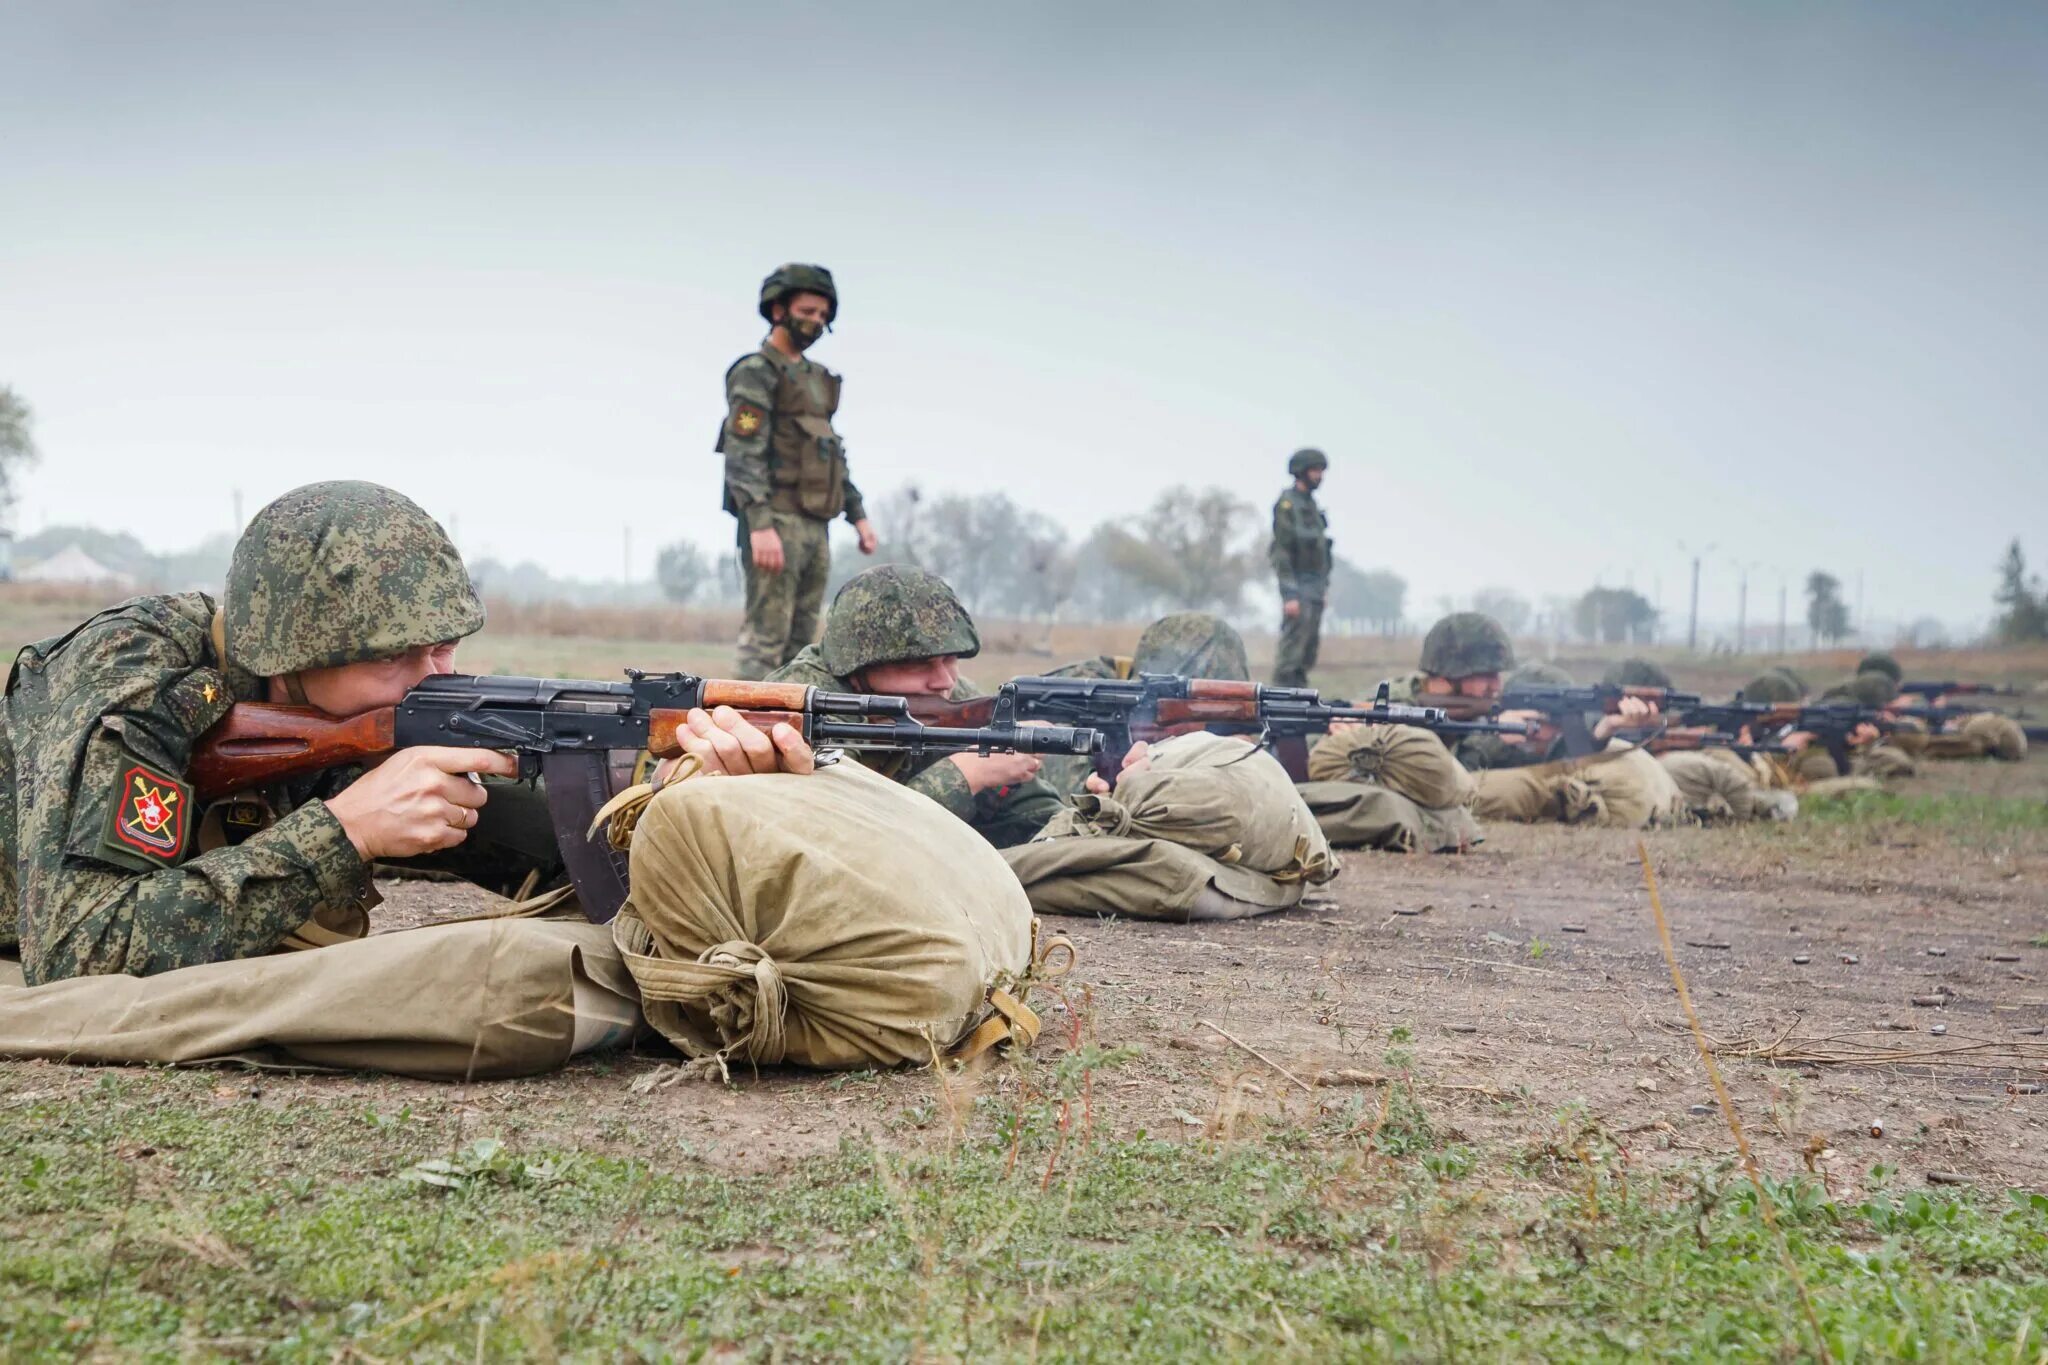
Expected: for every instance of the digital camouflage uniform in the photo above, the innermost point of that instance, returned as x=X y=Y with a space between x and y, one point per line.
x=1188 y=644
x=112 y=866
x=892 y=613
x=1301 y=563
x=785 y=470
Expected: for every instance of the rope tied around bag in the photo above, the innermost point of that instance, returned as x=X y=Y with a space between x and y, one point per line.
x=750 y=1023
x=620 y=816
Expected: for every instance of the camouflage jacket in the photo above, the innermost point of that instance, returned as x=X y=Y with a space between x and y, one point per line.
x=781 y=450
x=1006 y=817
x=101 y=825
x=1301 y=547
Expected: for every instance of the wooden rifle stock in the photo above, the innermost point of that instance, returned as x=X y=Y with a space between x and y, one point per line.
x=257 y=743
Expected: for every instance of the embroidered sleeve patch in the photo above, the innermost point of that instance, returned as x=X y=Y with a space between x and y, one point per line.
x=747 y=419
x=148 y=816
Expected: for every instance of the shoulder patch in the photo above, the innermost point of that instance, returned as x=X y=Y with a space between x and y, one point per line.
x=747 y=419
x=1286 y=504
x=148 y=819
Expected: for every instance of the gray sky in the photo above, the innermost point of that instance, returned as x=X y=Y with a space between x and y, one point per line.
x=1556 y=285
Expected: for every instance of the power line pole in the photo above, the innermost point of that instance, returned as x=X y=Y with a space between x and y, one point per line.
x=1692 y=627
x=1859 y=604
x=1781 y=616
x=1742 y=612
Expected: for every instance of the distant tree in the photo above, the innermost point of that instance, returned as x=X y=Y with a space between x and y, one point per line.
x=1196 y=552
x=1377 y=597
x=1000 y=558
x=1827 y=615
x=1506 y=606
x=682 y=570
x=899 y=525
x=1614 y=616
x=2023 y=606
x=17 y=444
x=1924 y=633
x=1104 y=585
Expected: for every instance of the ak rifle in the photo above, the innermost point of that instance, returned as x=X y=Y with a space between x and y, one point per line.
x=1566 y=708
x=1939 y=717
x=564 y=731
x=1156 y=706
x=1831 y=723
x=1952 y=688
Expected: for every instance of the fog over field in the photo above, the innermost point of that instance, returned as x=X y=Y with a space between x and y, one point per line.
x=1558 y=287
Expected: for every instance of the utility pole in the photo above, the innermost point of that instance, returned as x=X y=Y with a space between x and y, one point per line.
x=1858 y=624
x=1692 y=619
x=1781 y=616
x=1692 y=627
x=1742 y=611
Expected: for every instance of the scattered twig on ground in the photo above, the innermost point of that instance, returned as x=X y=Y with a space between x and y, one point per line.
x=1843 y=1049
x=1512 y=966
x=1247 y=1047
x=1749 y=1166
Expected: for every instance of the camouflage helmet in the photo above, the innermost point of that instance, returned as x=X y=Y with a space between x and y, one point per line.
x=1791 y=675
x=798 y=278
x=1305 y=459
x=1772 y=688
x=1873 y=689
x=894 y=612
x=1193 y=644
x=1538 y=674
x=1636 y=673
x=1465 y=643
x=340 y=573
x=1880 y=662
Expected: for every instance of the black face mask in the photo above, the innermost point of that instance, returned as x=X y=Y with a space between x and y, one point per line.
x=802 y=331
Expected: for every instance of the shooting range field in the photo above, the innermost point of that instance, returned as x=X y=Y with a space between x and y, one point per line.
x=1451 y=1106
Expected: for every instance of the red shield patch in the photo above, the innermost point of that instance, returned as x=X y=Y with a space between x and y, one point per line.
x=150 y=814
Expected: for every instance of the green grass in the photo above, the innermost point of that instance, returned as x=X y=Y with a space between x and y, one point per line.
x=1960 y=811
x=152 y=1218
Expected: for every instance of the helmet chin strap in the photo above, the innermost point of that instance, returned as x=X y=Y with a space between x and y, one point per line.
x=293 y=689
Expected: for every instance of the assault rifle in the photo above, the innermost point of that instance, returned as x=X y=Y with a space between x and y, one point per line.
x=1939 y=716
x=1667 y=739
x=564 y=730
x=1951 y=688
x=1829 y=722
x=1566 y=707
x=1155 y=706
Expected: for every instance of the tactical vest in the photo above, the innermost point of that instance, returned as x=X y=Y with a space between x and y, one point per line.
x=806 y=458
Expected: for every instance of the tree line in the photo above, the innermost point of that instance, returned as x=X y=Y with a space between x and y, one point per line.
x=1191 y=550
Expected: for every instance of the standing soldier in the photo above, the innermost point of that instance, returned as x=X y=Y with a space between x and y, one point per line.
x=1301 y=559
x=785 y=469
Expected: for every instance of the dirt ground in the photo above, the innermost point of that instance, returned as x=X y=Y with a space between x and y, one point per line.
x=1519 y=988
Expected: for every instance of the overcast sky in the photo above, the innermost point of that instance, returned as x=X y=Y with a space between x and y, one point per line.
x=1557 y=286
